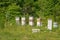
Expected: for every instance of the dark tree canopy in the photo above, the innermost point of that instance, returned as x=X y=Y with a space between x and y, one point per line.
x=37 y=8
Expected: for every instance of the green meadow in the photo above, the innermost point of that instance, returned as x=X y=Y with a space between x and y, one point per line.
x=18 y=32
x=44 y=9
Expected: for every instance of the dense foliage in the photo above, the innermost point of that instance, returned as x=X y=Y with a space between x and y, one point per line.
x=37 y=8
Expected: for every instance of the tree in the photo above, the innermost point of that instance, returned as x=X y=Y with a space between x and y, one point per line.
x=13 y=10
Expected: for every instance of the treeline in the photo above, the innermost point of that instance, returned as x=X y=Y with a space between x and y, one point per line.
x=37 y=8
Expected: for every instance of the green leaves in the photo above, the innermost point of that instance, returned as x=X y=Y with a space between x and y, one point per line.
x=37 y=8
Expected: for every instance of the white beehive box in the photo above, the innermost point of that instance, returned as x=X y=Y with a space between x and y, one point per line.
x=31 y=21
x=23 y=21
x=35 y=30
x=39 y=22
x=17 y=20
x=55 y=24
x=50 y=24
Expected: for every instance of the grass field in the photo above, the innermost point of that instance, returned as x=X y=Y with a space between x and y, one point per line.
x=14 y=32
